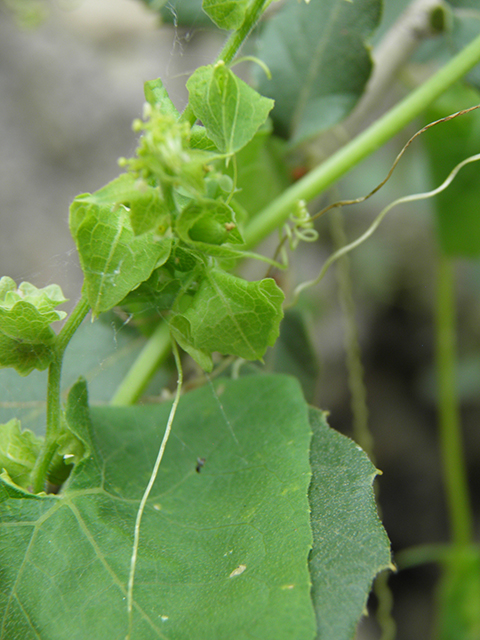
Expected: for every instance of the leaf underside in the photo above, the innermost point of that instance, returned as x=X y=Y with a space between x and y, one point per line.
x=319 y=62
x=350 y=545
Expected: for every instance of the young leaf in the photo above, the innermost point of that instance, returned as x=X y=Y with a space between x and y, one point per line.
x=226 y=14
x=230 y=110
x=233 y=538
x=26 y=338
x=208 y=221
x=75 y=442
x=113 y=259
x=319 y=62
x=18 y=452
x=147 y=208
x=350 y=545
x=229 y=315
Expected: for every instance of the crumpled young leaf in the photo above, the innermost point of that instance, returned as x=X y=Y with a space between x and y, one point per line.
x=208 y=221
x=229 y=315
x=114 y=260
x=18 y=452
x=229 y=109
x=26 y=313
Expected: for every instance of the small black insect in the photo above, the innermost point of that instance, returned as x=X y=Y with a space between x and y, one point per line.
x=200 y=463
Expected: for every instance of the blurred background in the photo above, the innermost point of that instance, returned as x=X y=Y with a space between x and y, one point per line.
x=70 y=87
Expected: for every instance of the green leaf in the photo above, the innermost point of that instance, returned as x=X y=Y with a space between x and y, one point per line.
x=229 y=315
x=233 y=539
x=447 y=144
x=75 y=442
x=113 y=259
x=26 y=313
x=319 y=62
x=458 y=597
x=18 y=452
x=208 y=221
x=230 y=110
x=226 y=14
x=350 y=545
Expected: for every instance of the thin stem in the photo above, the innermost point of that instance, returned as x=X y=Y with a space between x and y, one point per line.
x=151 y=482
x=233 y=45
x=152 y=355
x=356 y=383
x=320 y=178
x=42 y=464
x=238 y=37
x=455 y=475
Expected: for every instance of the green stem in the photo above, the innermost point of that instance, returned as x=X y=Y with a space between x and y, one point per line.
x=238 y=37
x=53 y=395
x=152 y=355
x=356 y=374
x=233 y=44
x=456 y=484
x=382 y=130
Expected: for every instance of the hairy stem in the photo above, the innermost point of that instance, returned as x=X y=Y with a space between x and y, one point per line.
x=362 y=146
x=152 y=355
x=455 y=475
x=53 y=395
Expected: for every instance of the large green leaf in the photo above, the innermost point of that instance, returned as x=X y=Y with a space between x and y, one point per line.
x=319 y=62
x=350 y=545
x=230 y=110
x=114 y=260
x=223 y=553
x=457 y=208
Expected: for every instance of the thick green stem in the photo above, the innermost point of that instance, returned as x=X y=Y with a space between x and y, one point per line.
x=53 y=395
x=233 y=44
x=453 y=459
x=362 y=146
x=152 y=355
